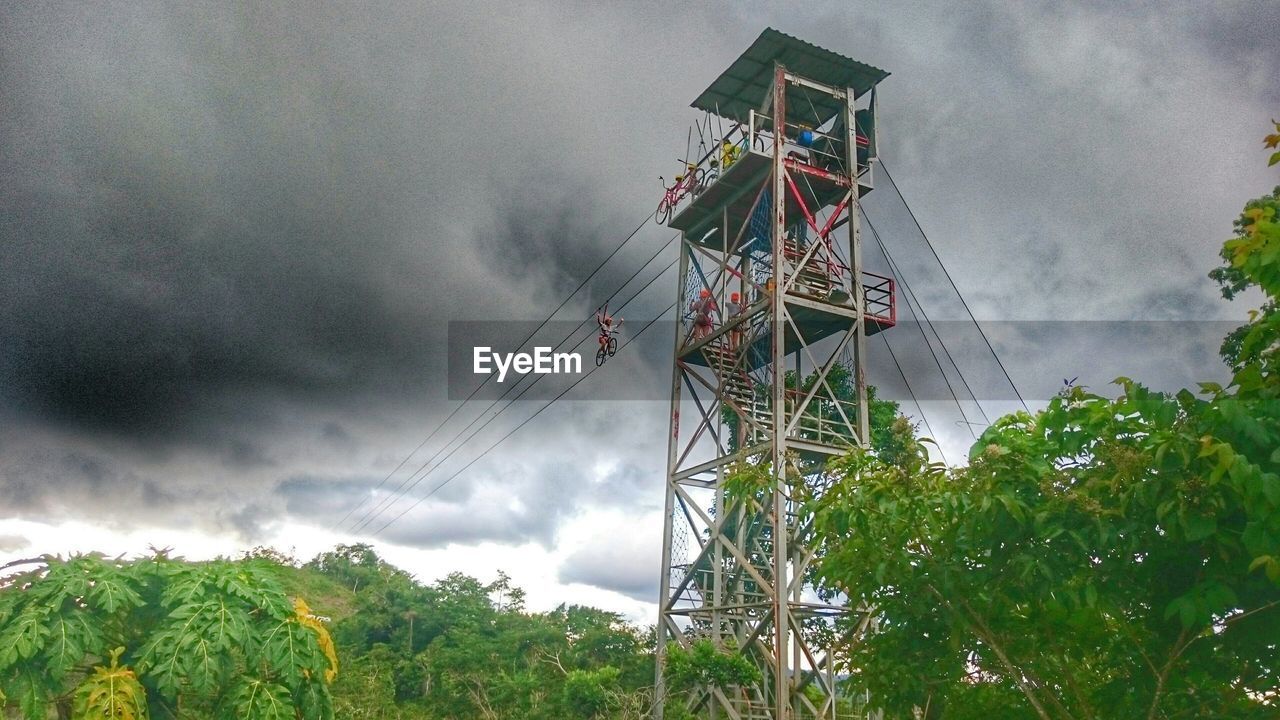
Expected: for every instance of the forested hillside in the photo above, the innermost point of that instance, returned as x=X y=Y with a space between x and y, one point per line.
x=462 y=648
x=345 y=635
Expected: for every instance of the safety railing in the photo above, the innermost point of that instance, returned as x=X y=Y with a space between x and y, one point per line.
x=823 y=420
x=878 y=294
x=814 y=148
x=806 y=145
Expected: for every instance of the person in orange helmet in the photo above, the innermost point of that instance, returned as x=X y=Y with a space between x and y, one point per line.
x=733 y=309
x=702 y=309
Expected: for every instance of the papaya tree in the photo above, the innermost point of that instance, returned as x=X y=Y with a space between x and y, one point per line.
x=93 y=637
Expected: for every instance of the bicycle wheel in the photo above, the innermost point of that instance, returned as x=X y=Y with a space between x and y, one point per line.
x=600 y=356
x=613 y=346
x=663 y=213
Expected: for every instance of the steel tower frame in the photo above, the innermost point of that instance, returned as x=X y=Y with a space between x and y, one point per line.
x=735 y=565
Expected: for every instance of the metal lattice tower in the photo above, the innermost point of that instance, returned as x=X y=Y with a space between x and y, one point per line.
x=777 y=222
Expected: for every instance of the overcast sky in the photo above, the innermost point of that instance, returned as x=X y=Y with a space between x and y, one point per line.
x=233 y=237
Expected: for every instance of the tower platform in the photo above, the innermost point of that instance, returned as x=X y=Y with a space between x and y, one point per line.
x=736 y=191
x=817 y=319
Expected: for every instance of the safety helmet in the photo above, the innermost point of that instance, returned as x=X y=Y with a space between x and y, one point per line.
x=679 y=178
x=704 y=293
x=734 y=297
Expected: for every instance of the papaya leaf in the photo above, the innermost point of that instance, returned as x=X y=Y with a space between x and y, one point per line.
x=258 y=700
x=111 y=692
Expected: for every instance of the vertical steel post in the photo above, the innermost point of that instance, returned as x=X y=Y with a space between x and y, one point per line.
x=717 y=582
x=781 y=638
x=673 y=444
x=855 y=260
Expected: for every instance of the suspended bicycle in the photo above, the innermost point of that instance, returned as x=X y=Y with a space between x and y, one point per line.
x=689 y=182
x=608 y=343
x=608 y=347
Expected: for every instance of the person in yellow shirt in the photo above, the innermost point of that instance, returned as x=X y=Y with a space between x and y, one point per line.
x=728 y=154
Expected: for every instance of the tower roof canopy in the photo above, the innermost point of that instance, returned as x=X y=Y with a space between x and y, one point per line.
x=745 y=85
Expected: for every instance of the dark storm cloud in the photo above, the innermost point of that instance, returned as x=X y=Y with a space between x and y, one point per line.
x=56 y=483
x=213 y=219
x=233 y=202
x=184 y=223
x=233 y=237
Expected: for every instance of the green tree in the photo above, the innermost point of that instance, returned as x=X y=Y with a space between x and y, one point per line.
x=702 y=665
x=1103 y=558
x=463 y=648
x=216 y=639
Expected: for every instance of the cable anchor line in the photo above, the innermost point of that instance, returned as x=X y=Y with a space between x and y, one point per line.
x=424 y=471
x=951 y=280
x=382 y=483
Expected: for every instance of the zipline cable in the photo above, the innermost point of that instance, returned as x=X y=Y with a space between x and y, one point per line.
x=402 y=490
x=919 y=306
x=905 y=381
x=513 y=431
x=909 y=296
x=627 y=239
x=954 y=287
x=413 y=480
x=455 y=411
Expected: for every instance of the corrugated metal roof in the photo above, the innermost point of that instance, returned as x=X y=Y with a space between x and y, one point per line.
x=745 y=84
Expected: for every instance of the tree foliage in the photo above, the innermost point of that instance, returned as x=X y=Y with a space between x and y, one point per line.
x=111 y=692
x=1106 y=557
x=461 y=648
x=216 y=639
x=702 y=665
x=92 y=637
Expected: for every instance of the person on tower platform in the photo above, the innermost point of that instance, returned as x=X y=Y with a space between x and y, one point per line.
x=734 y=306
x=702 y=310
x=733 y=309
x=729 y=153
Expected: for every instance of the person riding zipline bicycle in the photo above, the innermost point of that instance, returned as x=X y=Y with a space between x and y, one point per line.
x=608 y=326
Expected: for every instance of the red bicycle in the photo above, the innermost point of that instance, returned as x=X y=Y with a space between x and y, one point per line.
x=689 y=182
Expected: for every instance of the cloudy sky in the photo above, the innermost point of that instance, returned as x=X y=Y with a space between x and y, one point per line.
x=233 y=238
